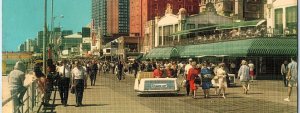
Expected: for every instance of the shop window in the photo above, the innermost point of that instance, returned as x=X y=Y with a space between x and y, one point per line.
x=291 y=18
x=278 y=21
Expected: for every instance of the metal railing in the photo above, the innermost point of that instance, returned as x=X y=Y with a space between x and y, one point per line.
x=228 y=36
x=31 y=99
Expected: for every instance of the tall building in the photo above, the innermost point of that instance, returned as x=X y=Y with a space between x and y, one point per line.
x=29 y=45
x=21 y=48
x=99 y=15
x=141 y=12
x=110 y=17
x=40 y=38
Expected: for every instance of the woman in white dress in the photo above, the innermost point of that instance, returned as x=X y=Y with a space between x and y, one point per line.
x=221 y=74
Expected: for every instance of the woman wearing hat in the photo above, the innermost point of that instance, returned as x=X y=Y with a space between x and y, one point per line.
x=192 y=74
x=221 y=74
x=78 y=75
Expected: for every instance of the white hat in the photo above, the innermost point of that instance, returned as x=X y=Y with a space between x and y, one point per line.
x=190 y=59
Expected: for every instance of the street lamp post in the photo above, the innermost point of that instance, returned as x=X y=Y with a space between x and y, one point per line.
x=52 y=38
x=44 y=36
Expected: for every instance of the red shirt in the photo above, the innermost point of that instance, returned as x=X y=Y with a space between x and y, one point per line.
x=193 y=72
x=157 y=73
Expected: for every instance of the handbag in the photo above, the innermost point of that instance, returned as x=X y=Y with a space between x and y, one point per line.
x=72 y=89
x=197 y=80
x=183 y=83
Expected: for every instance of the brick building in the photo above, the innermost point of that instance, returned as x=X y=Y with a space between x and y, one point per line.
x=142 y=11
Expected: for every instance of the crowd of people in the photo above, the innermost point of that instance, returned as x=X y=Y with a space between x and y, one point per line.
x=73 y=75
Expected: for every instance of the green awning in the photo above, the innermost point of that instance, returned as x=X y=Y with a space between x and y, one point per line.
x=139 y=57
x=242 y=48
x=162 y=53
x=252 y=23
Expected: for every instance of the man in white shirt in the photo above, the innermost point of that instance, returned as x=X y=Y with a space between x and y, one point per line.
x=64 y=72
x=186 y=70
x=292 y=76
x=78 y=75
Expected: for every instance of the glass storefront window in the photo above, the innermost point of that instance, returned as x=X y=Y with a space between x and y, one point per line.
x=278 y=21
x=291 y=19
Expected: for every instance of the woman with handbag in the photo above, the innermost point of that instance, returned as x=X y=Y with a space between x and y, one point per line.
x=78 y=75
x=206 y=76
x=192 y=74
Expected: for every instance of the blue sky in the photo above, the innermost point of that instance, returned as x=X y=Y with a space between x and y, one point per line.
x=22 y=19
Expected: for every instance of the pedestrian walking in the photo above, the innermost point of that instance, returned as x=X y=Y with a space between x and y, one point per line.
x=135 y=67
x=93 y=75
x=99 y=64
x=65 y=74
x=129 y=67
x=120 y=70
x=215 y=80
x=112 y=67
x=78 y=75
x=206 y=76
x=244 y=76
x=292 y=77
x=186 y=72
x=221 y=75
x=192 y=75
x=16 y=85
x=284 y=70
x=251 y=70
x=88 y=69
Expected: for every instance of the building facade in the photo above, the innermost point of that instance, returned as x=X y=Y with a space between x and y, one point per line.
x=142 y=11
x=169 y=24
x=30 y=45
x=39 y=42
x=282 y=16
x=240 y=9
x=72 y=43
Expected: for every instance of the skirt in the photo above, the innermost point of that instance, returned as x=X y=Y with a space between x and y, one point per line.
x=251 y=73
x=192 y=85
x=206 y=85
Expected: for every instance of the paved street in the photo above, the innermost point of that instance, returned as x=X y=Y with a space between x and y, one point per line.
x=112 y=96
